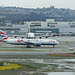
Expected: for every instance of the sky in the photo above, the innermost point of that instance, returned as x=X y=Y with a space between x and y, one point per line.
x=39 y=3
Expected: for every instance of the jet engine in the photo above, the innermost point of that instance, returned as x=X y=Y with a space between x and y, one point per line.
x=37 y=44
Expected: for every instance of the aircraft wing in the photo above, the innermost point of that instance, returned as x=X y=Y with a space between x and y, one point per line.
x=35 y=43
x=30 y=42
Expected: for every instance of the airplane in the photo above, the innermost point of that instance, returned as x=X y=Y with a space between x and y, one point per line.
x=32 y=35
x=27 y=42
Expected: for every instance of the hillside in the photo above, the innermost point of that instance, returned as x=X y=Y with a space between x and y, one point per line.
x=16 y=14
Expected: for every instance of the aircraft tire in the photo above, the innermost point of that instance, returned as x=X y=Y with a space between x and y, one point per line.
x=28 y=46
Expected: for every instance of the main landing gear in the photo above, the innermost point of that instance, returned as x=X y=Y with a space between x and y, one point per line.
x=28 y=46
x=53 y=46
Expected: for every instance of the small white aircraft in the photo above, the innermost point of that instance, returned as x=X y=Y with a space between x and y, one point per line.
x=28 y=42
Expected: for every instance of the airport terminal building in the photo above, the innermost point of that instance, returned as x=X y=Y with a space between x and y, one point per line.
x=14 y=29
x=56 y=27
x=39 y=27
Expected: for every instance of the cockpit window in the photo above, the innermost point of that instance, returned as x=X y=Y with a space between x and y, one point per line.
x=53 y=41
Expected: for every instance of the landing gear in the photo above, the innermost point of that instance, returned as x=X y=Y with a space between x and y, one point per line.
x=53 y=46
x=28 y=46
x=40 y=37
x=46 y=37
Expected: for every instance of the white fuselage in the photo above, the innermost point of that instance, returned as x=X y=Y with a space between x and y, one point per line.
x=32 y=41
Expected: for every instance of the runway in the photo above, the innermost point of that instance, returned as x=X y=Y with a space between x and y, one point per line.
x=34 y=51
x=22 y=53
x=32 y=48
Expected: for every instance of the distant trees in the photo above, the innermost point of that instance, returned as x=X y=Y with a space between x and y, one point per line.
x=15 y=14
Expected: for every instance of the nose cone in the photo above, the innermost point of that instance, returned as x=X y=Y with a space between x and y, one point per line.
x=57 y=42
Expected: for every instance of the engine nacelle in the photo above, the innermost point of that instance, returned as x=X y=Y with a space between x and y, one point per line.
x=37 y=44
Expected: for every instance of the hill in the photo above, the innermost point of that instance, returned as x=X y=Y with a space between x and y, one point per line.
x=16 y=14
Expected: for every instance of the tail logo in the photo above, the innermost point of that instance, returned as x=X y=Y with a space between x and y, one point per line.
x=3 y=35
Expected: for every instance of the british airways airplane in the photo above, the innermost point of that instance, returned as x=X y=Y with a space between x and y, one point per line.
x=27 y=42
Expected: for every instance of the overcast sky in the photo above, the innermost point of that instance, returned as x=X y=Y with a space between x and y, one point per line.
x=39 y=3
